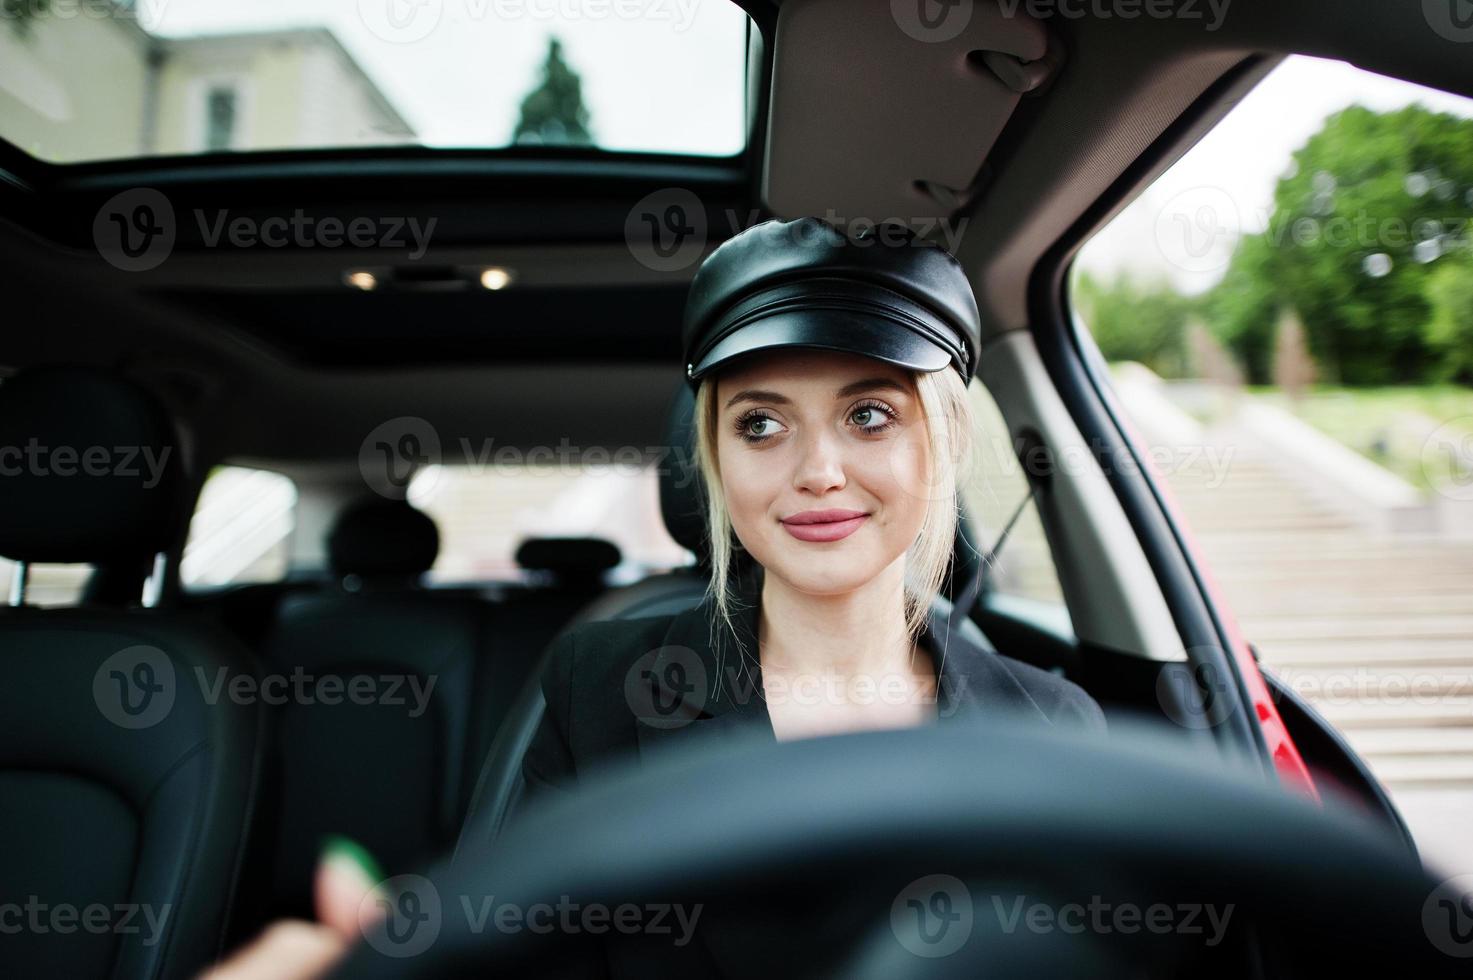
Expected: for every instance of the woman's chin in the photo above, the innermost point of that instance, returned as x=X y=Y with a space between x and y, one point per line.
x=824 y=575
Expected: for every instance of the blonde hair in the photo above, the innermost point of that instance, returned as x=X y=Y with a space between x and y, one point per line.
x=950 y=427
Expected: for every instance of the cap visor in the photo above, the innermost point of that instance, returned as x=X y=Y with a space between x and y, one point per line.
x=883 y=340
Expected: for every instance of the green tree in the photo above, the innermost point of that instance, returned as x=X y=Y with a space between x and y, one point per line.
x=1374 y=205
x=1135 y=322
x=1244 y=308
x=1450 y=329
x=20 y=14
x=553 y=113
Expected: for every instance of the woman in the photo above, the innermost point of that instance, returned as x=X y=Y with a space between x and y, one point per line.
x=832 y=424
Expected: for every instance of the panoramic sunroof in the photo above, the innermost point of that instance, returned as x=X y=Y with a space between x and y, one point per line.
x=84 y=80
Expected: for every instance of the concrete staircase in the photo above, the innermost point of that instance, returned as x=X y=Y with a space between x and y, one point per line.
x=1373 y=628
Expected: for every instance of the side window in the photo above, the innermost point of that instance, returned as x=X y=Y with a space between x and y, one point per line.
x=1287 y=313
x=997 y=500
x=241 y=529
x=47 y=585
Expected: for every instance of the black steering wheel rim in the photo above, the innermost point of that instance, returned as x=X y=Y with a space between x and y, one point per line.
x=1001 y=802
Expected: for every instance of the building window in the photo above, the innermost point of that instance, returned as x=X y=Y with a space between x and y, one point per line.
x=220 y=104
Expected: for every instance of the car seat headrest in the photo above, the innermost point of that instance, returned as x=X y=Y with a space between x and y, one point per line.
x=382 y=539
x=572 y=561
x=90 y=469
x=682 y=494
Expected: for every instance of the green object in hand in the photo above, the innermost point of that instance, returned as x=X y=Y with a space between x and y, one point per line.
x=337 y=847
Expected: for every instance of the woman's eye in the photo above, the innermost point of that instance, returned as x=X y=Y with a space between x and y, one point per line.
x=757 y=428
x=872 y=418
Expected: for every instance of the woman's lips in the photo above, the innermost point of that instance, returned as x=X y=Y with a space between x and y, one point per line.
x=826 y=531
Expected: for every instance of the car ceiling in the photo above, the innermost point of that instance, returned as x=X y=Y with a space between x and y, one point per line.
x=265 y=353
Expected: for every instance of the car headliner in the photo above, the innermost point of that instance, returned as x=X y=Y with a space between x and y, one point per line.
x=265 y=354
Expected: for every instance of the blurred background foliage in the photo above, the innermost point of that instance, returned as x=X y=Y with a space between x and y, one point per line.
x=1365 y=262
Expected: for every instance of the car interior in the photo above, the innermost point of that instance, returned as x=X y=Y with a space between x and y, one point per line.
x=1020 y=133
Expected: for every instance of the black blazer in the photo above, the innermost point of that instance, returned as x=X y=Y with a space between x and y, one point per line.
x=641 y=685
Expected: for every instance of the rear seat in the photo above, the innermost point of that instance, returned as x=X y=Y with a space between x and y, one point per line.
x=377 y=752
x=525 y=619
x=397 y=777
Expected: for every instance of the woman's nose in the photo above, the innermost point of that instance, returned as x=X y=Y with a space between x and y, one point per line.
x=820 y=465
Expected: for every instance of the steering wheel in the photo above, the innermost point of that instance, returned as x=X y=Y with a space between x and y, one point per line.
x=959 y=850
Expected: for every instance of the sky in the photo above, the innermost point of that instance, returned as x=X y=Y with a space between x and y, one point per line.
x=657 y=74
x=1183 y=228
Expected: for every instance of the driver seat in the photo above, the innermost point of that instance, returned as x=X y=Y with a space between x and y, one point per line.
x=500 y=785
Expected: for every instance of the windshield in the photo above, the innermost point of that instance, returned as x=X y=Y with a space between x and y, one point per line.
x=85 y=80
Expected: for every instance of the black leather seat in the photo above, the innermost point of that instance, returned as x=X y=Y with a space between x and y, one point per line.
x=124 y=783
x=388 y=767
x=568 y=574
x=500 y=785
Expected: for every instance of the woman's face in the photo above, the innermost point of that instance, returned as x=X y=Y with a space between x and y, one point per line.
x=801 y=431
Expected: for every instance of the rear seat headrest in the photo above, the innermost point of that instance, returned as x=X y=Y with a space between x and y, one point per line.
x=380 y=538
x=570 y=559
x=682 y=498
x=90 y=468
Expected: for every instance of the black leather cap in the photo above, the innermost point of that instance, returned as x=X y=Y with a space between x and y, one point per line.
x=803 y=283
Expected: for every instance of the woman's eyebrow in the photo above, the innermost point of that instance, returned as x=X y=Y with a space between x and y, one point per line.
x=853 y=388
x=871 y=384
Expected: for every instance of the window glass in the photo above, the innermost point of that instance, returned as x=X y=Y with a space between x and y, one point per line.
x=1288 y=317
x=484 y=512
x=997 y=495
x=83 y=80
x=47 y=585
x=241 y=528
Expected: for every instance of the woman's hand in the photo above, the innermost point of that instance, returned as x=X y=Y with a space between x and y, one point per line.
x=346 y=898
